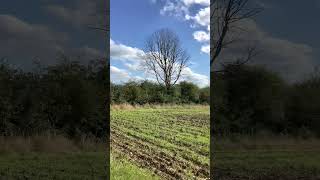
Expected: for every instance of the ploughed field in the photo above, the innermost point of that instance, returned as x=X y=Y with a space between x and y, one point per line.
x=172 y=142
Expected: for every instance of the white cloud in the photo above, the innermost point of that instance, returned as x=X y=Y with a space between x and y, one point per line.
x=205 y=49
x=119 y=51
x=198 y=79
x=181 y=9
x=174 y=8
x=202 y=18
x=201 y=36
x=186 y=75
x=130 y=57
x=118 y=75
x=134 y=66
x=201 y=2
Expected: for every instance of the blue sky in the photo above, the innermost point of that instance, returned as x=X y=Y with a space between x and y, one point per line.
x=286 y=31
x=133 y=21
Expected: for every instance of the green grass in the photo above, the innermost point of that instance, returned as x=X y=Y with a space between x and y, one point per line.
x=162 y=143
x=82 y=165
x=121 y=169
x=150 y=137
x=30 y=165
x=171 y=141
x=267 y=158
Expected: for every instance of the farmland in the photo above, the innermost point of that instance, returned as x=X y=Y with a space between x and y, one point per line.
x=79 y=165
x=122 y=169
x=42 y=157
x=173 y=142
x=170 y=141
x=67 y=165
x=82 y=165
x=267 y=158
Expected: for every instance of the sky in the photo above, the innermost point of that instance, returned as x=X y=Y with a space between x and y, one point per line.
x=43 y=29
x=286 y=32
x=286 y=35
x=132 y=22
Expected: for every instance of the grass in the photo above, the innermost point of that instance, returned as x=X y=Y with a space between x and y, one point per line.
x=121 y=169
x=79 y=165
x=160 y=142
x=171 y=141
x=273 y=157
x=51 y=158
x=82 y=165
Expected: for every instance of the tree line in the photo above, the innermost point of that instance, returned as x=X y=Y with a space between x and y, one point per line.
x=251 y=100
x=70 y=98
x=67 y=99
x=147 y=92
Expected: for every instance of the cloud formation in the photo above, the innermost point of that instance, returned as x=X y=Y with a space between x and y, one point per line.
x=291 y=59
x=205 y=49
x=174 y=8
x=20 y=39
x=122 y=52
x=118 y=75
x=22 y=42
x=201 y=19
x=196 y=78
x=82 y=13
x=201 y=36
x=201 y=2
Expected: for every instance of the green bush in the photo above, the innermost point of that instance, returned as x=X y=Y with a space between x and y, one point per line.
x=250 y=99
x=146 y=92
x=67 y=98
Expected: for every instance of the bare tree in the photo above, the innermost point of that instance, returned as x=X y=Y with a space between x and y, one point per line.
x=224 y=16
x=164 y=57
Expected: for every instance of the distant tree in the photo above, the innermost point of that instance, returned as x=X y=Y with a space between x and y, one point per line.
x=165 y=58
x=253 y=99
x=189 y=91
x=303 y=106
x=131 y=92
x=204 y=95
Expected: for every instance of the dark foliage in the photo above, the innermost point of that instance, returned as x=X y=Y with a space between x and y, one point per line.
x=67 y=98
x=251 y=100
